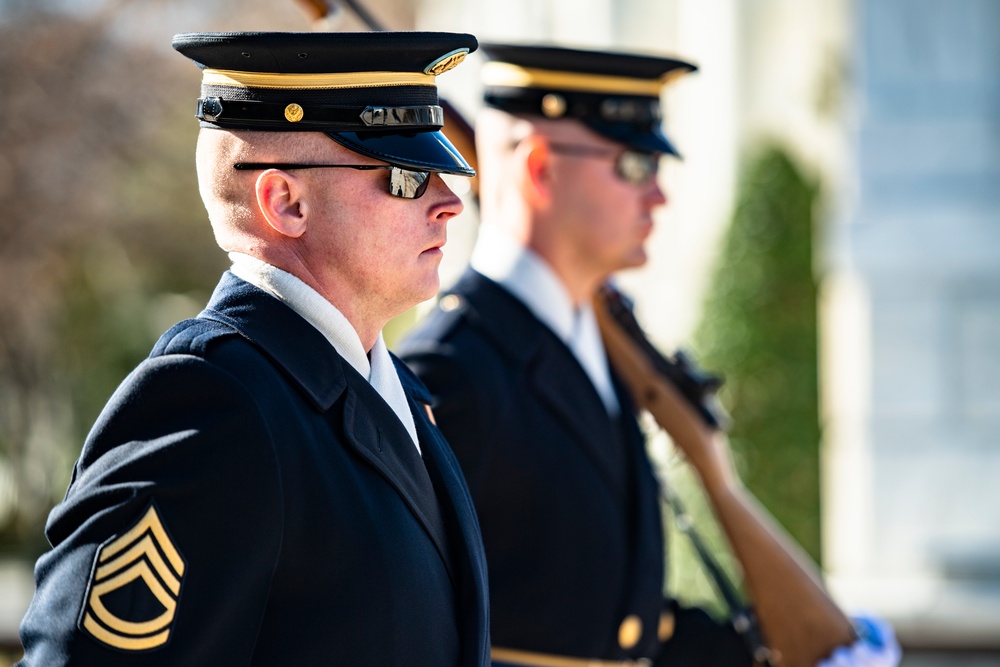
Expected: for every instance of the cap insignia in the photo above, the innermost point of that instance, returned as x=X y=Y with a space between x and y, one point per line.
x=145 y=560
x=553 y=106
x=294 y=113
x=446 y=62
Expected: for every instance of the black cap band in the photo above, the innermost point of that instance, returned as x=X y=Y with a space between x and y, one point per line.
x=314 y=117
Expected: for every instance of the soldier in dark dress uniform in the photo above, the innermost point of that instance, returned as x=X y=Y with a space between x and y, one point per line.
x=268 y=488
x=568 y=145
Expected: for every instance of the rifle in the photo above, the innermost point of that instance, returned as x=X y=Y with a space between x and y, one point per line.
x=800 y=623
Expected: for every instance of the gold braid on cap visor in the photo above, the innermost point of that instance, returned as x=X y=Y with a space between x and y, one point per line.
x=505 y=74
x=219 y=77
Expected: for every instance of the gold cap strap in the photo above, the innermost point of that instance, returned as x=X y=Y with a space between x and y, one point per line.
x=221 y=77
x=504 y=74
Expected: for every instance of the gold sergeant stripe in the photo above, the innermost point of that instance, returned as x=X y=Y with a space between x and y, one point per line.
x=128 y=644
x=505 y=74
x=137 y=571
x=222 y=77
x=131 y=557
x=142 y=548
x=151 y=522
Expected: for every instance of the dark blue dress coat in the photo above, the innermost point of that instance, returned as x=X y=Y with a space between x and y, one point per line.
x=247 y=498
x=565 y=494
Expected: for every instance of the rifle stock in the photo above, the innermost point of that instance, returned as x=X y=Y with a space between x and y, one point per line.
x=316 y=10
x=801 y=624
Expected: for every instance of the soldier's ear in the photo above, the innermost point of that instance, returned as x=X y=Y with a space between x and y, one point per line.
x=535 y=156
x=281 y=198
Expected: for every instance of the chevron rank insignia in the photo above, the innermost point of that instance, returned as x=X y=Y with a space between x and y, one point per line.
x=134 y=588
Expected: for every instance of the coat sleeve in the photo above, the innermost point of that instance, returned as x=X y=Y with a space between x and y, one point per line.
x=164 y=546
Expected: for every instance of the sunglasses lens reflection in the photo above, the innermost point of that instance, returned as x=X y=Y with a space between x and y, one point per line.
x=408 y=184
x=636 y=167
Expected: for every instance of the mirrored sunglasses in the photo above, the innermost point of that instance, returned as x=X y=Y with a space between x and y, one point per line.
x=404 y=183
x=632 y=166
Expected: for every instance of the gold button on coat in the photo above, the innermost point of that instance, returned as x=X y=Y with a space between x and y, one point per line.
x=450 y=302
x=629 y=631
x=666 y=628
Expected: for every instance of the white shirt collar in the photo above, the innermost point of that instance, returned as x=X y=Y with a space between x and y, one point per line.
x=525 y=275
x=519 y=270
x=375 y=366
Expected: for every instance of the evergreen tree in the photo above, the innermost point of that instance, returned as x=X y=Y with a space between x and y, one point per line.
x=759 y=328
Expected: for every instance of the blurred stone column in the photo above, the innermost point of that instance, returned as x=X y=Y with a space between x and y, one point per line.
x=911 y=328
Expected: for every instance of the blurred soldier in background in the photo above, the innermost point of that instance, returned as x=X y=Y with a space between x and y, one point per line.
x=568 y=147
x=267 y=488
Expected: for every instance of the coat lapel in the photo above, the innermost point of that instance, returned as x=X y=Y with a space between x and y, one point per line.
x=564 y=387
x=375 y=432
x=467 y=541
x=558 y=380
x=460 y=517
x=370 y=426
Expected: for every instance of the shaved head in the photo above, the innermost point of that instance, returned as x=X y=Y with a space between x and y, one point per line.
x=228 y=194
x=497 y=135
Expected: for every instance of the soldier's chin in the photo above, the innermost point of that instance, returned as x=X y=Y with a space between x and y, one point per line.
x=636 y=259
x=429 y=288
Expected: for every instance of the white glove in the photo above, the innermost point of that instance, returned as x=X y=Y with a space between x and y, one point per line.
x=876 y=646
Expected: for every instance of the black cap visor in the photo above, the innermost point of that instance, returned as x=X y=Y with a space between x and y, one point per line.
x=650 y=139
x=420 y=151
